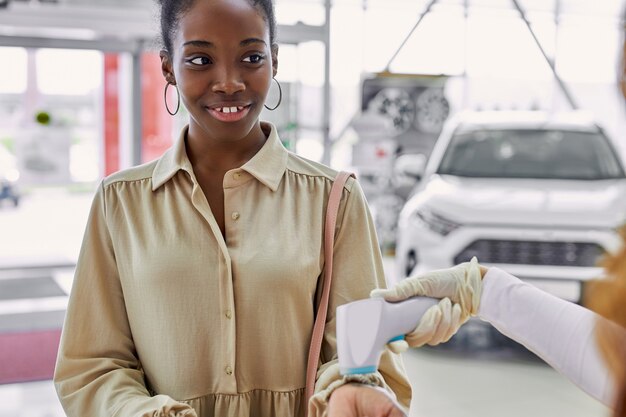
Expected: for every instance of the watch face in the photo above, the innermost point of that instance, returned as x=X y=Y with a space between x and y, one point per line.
x=397 y=105
x=432 y=110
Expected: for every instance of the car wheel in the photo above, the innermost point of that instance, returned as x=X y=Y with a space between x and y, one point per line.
x=411 y=263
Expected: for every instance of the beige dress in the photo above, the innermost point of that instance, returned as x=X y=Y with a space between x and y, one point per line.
x=168 y=318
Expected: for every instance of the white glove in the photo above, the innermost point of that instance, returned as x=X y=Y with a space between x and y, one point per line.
x=462 y=284
x=438 y=325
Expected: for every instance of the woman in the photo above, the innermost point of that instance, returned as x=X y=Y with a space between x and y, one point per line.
x=195 y=290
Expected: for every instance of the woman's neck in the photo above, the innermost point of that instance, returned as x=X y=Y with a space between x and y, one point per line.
x=206 y=153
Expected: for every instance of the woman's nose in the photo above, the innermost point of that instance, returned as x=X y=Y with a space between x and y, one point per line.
x=228 y=82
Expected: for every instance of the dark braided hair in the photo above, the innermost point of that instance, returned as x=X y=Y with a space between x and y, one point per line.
x=172 y=10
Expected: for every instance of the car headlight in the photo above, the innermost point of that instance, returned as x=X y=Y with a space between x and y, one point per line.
x=436 y=222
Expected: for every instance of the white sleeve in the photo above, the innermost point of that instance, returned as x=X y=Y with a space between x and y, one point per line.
x=559 y=332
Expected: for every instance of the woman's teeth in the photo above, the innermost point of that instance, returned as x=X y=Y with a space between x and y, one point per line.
x=229 y=113
x=230 y=109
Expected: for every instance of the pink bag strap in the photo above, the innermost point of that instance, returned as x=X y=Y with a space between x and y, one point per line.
x=332 y=210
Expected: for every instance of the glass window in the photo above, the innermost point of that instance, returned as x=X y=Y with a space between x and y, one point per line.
x=14 y=64
x=310 y=12
x=68 y=72
x=436 y=46
x=545 y=154
x=501 y=46
x=588 y=49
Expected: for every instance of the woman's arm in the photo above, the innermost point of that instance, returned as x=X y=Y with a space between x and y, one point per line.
x=98 y=372
x=357 y=269
x=559 y=332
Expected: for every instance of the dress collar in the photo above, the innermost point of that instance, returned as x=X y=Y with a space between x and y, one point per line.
x=268 y=165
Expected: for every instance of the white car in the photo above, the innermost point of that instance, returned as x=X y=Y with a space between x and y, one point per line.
x=540 y=196
x=8 y=177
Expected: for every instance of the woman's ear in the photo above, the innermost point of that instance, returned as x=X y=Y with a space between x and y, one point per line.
x=274 y=60
x=166 y=67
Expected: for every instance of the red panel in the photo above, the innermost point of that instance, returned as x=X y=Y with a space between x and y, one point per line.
x=111 y=114
x=28 y=356
x=157 y=122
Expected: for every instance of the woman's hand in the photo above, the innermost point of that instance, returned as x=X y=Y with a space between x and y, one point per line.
x=357 y=400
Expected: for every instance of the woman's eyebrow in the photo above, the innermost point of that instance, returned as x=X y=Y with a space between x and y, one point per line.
x=199 y=43
x=207 y=44
x=249 y=41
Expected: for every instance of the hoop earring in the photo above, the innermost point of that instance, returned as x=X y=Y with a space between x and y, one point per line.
x=165 y=98
x=280 y=97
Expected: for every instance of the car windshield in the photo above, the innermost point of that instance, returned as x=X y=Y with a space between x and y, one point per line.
x=523 y=153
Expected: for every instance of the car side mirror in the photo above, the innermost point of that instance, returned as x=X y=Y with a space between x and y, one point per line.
x=411 y=165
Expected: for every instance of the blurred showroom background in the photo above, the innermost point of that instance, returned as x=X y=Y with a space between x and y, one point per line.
x=368 y=86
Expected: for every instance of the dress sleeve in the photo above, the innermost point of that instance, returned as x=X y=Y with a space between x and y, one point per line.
x=357 y=269
x=97 y=371
x=559 y=332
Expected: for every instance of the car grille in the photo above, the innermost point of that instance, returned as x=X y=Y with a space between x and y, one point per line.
x=532 y=253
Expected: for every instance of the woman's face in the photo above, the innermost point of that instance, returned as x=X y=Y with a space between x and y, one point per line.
x=222 y=63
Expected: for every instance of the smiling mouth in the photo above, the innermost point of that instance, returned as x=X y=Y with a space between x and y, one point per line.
x=229 y=113
x=227 y=110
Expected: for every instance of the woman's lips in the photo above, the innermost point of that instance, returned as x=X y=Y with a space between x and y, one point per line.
x=229 y=113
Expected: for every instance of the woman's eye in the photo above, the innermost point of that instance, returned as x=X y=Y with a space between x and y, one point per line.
x=254 y=58
x=201 y=60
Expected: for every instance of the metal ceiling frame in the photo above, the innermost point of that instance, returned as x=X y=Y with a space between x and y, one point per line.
x=564 y=88
x=104 y=45
x=133 y=31
x=104 y=24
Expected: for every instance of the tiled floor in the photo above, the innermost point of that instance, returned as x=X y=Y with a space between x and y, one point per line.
x=46 y=228
x=33 y=399
x=446 y=383
x=455 y=385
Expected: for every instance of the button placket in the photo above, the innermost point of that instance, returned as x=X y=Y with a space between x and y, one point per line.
x=231 y=202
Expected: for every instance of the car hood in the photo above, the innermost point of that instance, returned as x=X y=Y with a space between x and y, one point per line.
x=525 y=202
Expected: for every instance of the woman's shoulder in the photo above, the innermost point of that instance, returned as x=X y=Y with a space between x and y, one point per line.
x=299 y=165
x=132 y=174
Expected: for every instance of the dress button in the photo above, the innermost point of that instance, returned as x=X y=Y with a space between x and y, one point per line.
x=228 y=370
x=228 y=314
x=237 y=175
x=235 y=215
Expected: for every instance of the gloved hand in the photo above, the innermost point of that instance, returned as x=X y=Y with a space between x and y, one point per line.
x=462 y=284
x=438 y=325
